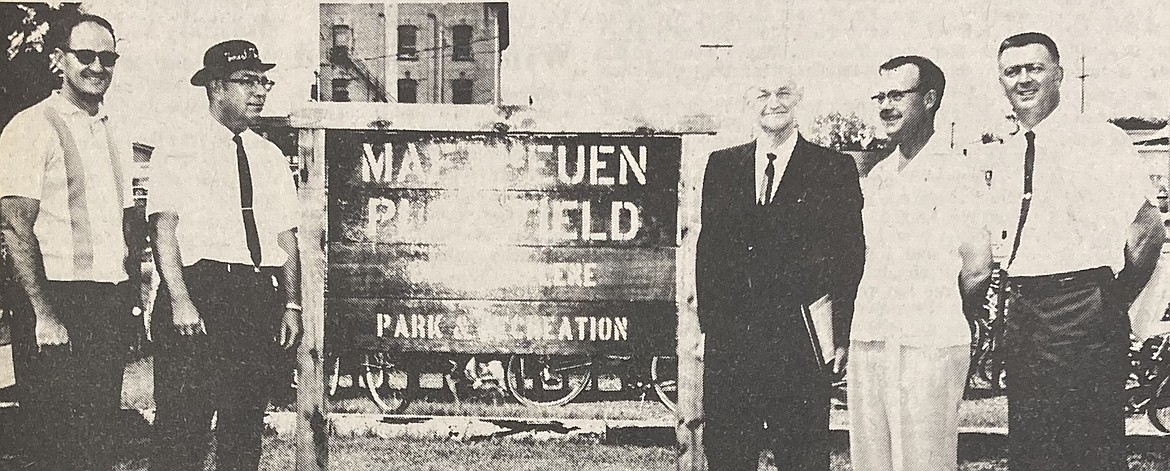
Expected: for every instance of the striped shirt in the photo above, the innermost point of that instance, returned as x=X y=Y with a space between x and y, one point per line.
x=77 y=167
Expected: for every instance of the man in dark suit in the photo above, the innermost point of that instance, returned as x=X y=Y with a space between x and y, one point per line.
x=781 y=228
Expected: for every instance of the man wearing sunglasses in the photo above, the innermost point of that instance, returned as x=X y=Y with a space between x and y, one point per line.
x=921 y=236
x=223 y=214
x=67 y=216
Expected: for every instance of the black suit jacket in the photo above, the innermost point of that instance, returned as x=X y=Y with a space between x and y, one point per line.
x=757 y=265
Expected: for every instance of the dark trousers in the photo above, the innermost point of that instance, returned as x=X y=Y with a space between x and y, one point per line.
x=1067 y=341
x=746 y=412
x=231 y=372
x=70 y=395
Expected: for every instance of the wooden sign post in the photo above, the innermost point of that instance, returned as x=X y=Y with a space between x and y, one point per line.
x=448 y=230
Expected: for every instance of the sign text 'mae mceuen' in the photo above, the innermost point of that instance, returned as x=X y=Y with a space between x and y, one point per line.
x=508 y=218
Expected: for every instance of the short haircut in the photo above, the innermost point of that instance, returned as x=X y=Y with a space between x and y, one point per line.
x=929 y=74
x=61 y=30
x=1024 y=39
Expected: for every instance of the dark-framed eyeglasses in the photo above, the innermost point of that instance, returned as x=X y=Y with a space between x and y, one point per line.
x=87 y=56
x=894 y=95
x=253 y=82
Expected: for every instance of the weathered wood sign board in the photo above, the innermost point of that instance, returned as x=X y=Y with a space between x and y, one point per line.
x=502 y=243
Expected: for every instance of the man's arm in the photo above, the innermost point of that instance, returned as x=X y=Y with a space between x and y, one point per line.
x=846 y=252
x=290 y=325
x=1142 y=249
x=18 y=215
x=169 y=261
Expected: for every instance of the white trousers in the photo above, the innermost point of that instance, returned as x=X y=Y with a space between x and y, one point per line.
x=904 y=406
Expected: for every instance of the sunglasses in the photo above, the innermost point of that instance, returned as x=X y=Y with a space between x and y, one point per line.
x=87 y=56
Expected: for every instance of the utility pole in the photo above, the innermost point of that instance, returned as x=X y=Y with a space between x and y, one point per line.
x=1083 y=76
x=952 y=134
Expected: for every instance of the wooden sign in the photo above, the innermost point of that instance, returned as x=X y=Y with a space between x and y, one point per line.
x=516 y=243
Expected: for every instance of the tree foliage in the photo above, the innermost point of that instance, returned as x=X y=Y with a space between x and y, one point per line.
x=843 y=132
x=25 y=73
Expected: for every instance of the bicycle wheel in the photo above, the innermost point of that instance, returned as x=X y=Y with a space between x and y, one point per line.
x=386 y=382
x=547 y=380
x=1158 y=409
x=664 y=377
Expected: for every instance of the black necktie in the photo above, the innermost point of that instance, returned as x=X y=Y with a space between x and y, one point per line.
x=1026 y=201
x=769 y=178
x=1029 y=163
x=246 y=201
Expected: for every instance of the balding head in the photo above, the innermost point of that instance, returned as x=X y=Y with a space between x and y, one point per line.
x=771 y=98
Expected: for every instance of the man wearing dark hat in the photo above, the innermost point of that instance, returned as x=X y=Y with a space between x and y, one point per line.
x=223 y=215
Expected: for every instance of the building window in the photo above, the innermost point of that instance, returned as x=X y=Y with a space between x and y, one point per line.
x=342 y=40
x=461 y=91
x=407 y=43
x=461 y=37
x=407 y=90
x=340 y=89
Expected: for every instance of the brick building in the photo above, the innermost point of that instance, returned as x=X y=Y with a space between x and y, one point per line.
x=412 y=52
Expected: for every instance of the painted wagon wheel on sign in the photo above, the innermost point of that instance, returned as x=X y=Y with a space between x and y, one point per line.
x=386 y=381
x=547 y=380
x=664 y=378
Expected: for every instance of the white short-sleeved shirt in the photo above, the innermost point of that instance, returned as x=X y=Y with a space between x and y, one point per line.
x=195 y=174
x=1088 y=184
x=915 y=220
x=80 y=240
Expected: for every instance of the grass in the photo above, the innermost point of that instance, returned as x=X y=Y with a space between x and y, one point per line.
x=360 y=454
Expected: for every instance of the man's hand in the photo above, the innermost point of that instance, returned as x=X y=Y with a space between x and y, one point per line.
x=186 y=318
x=50 y=331
x=840 y=357
x=290 y=328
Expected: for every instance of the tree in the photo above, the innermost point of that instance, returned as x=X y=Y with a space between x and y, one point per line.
x=25 y=73
x=844 y=132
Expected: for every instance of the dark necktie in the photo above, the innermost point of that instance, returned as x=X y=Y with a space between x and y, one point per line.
x=769 y=178
x=1026 y=201
x=246 y=201
x=1029 y=163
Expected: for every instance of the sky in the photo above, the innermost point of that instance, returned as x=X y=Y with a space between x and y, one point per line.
x=643 y=58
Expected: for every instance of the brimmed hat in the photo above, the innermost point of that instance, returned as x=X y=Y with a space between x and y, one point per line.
x=227 y=57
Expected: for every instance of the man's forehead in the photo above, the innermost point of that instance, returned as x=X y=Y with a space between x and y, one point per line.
x=1026 y=54
x=901 y=73
x=774 y=84
x=245 y=73
x=90 y=35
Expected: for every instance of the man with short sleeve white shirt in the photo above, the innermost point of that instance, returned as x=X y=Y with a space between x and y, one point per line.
x=223 y=212
x=75 y=241
x=909 y=348
x=1080 y=184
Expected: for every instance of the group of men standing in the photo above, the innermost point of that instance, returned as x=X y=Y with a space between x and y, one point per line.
x=785 y=222
x=1060 y=206
x=222 y=220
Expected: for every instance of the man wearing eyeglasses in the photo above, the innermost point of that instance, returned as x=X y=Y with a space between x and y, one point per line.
x=1069 y=194
x=223 y=214
x=909 y=349
x=67 y=216
x=781 y=228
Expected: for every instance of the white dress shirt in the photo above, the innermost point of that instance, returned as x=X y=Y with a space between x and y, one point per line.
x=915 y=220
x=195 y=174
x=1088 y=184
x=32 y=165
x=783 y=154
